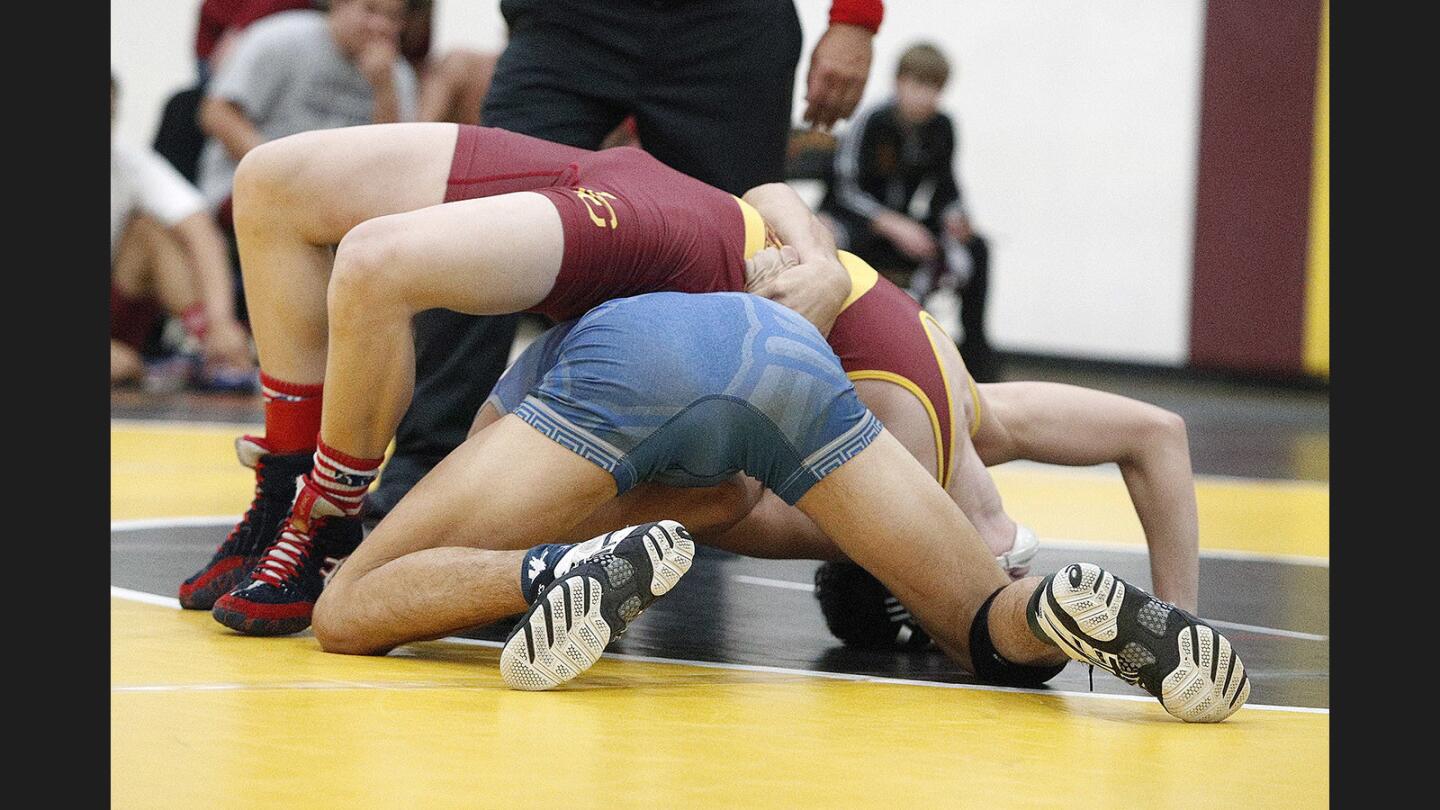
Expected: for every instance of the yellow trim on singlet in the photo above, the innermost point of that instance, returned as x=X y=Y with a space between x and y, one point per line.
x=974 y=392
x=754 y=227
x=862 y=276
x=975 y=398
x=944 y=382
x=908 y=385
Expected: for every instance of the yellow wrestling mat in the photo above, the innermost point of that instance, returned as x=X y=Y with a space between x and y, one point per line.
x=201 y=717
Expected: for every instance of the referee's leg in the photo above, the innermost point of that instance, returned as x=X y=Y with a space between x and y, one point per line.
x=718 y=104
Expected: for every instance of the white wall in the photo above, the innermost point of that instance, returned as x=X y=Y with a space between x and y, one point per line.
x=1078 y=123
x=152 y=52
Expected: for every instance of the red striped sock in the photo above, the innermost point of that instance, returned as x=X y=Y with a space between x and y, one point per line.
x=292 y=414
x=341 y=478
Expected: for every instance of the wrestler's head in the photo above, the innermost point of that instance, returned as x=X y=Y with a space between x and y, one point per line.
x=919 y=79
x=861 y=612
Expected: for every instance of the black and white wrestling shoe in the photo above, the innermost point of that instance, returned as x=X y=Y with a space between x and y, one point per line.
x=598 y=588
x=1097 y=618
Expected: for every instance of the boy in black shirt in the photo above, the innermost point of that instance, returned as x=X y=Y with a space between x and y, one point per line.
x=892 y=157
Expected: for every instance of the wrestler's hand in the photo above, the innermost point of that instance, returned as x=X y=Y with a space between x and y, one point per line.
x=839 y=67
x=815 y=289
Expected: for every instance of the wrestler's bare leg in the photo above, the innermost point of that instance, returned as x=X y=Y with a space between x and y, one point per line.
x=924 y=550
x=970 y=483
x=485 y=256
x=425 y=571
x=297 y=197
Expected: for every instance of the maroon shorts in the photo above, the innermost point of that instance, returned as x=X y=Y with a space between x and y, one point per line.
x=632 y=224
x=133 y=319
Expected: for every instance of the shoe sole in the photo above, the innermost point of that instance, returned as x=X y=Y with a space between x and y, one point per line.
x=579 y=614
x=244 y=616
x=1097 y=618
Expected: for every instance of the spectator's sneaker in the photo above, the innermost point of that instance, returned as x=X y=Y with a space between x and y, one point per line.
x=279 y=595
x=224 y=380
x=1099 y=619
x=600 y=586
x=275 y=475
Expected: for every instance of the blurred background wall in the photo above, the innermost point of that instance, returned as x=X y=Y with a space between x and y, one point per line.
x=1143 y=170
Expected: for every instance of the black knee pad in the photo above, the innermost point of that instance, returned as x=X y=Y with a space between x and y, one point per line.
x=861 y=611
x=991 y=667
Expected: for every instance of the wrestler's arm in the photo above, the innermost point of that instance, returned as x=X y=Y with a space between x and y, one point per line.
x=818 y=285
x=1066 y=424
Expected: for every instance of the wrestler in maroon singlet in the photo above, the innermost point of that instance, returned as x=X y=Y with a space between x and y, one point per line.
x=632 y=224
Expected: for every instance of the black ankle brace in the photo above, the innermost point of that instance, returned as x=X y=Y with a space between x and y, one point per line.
x=992 y=667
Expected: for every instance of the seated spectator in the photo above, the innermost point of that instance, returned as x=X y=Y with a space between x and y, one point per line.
x=168 y=257
x=221 y=21
x=883 y=162
x=303 y=70
x=453 y=86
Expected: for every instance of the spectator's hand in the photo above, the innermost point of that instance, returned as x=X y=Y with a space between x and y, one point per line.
x=814 y=289
x=838 y=70
x=908 y=236
x=958 y=226
x=376 y=62
x=228 y=344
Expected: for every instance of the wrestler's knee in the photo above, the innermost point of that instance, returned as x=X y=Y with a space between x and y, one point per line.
x=366 y=271
x=335 y=631
x=263 y=176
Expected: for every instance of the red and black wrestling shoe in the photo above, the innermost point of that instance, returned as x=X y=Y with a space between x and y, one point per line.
x=275 y=475
x=278 y=596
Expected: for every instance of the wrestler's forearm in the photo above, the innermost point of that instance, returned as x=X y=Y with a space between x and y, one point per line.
x=1162 y=489
x=792 y=221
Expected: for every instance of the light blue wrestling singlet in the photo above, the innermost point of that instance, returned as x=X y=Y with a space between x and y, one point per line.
x=686 y=390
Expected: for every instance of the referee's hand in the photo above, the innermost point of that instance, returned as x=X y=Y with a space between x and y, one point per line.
x=838 y=70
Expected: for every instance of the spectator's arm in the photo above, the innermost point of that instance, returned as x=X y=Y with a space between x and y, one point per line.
x=817 y=286
x=387 y=105
x=377 y=63
x=225 y=122
x=1065 y=424
x=851 y=147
